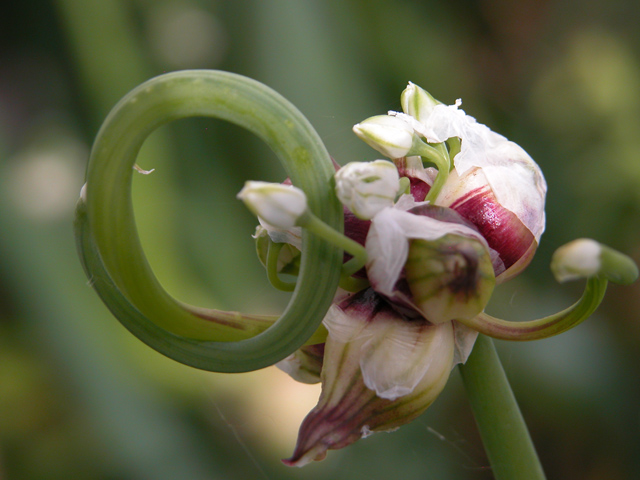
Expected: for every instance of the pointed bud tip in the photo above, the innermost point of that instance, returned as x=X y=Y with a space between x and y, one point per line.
x=391 y=136
x=83 y=193
x=417 y=102
x=300 y=459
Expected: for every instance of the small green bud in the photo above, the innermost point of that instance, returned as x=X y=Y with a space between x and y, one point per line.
x=417 y=102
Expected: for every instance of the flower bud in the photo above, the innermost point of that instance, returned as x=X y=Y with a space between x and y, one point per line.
x=450 y=278
x=390 y=135
x=417 y=102
x=367 y=187
x=277 y=204
x=584 y=258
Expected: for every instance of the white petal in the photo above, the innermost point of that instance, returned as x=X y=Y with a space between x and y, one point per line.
x=394 y=354
x=465 y=338
x=516 y=181
x=343 y=326
x=292 y=236
x=515 y=178
x=400 y=354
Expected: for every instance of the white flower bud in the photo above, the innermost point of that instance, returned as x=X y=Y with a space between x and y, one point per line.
x=578 y=259
x=390 y=135
x=365 y=188
x=277 y=204
x=584 y=258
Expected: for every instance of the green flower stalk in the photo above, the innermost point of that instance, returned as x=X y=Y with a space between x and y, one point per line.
x=109 y=239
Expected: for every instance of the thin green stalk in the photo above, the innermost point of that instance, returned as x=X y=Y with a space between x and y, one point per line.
x=547 y=326
x=502 y=427
x=439 y=156
x=272 y=268
x=316 y=226
x=438 y=183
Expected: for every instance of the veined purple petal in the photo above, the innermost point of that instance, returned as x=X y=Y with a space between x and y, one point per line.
x=473 y=198
x=373 y=352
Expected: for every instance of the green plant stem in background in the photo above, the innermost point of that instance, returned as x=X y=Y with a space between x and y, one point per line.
x=502 y=427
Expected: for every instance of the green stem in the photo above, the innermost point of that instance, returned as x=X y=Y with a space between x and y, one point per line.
x=111 y=226
x=438 y=183
x=353 y=284
x=272 y=268
x=316 y=226
x=437 y=156
x=547 y=326
x=454 y=148
x=503 y=430
x=440 y=157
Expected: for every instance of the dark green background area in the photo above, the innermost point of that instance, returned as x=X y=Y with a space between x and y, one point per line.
x=80 y=398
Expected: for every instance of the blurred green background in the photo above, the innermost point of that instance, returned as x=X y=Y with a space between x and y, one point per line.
x=80 y=398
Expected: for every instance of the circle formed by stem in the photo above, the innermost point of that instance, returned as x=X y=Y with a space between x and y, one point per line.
x=110 y=247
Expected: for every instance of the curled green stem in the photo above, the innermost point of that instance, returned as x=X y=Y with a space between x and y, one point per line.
x=106 y=219
x=272 y=268
x=547 y=326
